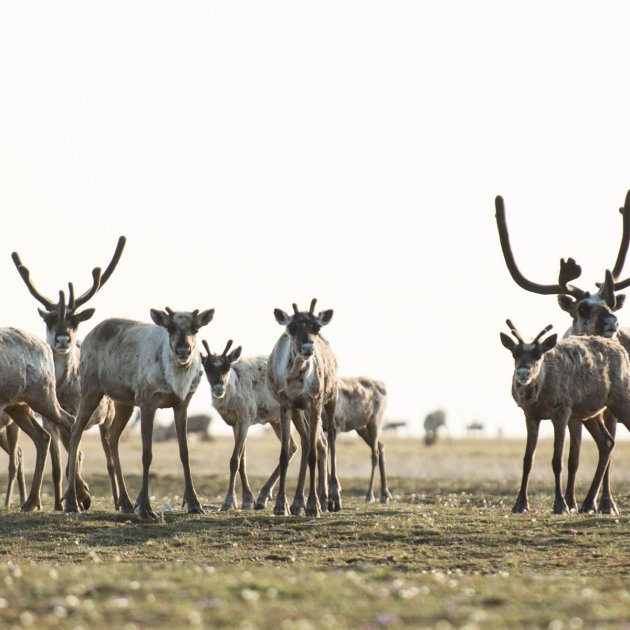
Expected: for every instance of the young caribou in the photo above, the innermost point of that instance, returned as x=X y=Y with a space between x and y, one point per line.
x=592 y=315
x=27 y=377
x=360 y=407
x=572 y=380
x=302 y=375
x=151 y=366
x=62 y=321
x=242 y=398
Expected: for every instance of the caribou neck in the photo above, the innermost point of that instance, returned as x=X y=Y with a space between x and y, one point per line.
x=180 y=378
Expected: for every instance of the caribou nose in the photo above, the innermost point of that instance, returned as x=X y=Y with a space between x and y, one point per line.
x=307 y=348
x=62 y=340
x=218 y=390
x=183 y=351
x=522 y=374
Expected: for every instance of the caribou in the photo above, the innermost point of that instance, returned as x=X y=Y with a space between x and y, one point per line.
x=572 y=380
x=302 y=376
x=27 y=375
x=360 y=407
x=62 y=321
x=153 y=366
x=592 y=314
x=241 y=396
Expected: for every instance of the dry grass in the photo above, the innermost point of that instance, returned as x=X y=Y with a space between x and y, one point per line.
x=446 y=552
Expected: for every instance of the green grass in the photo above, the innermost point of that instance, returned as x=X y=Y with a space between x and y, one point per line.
x=446 y=553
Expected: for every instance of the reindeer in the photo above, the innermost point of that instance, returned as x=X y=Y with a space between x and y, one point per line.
x=9 y=436
x=568 y=381
x=151 y=366
x=591 y=315
x=432 y=422
x=360 y=407
x=242 y=398
x=302 y=375
x=62 y=321
x=27 y=374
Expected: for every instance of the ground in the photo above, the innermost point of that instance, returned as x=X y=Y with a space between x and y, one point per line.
x=446 y=552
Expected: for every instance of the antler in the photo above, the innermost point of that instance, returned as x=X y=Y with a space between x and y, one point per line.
x=227 y=347
x=506 y=248
x=98 y=279
x=545 y=330
x=570 y=270
x=25 y=274
x=296 y=310
x=625 y=238
x=206 y=346
x=312 y=309
x=513 y=330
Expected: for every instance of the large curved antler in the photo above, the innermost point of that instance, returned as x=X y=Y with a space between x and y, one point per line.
x=48 y=304
x=98 y=279
x=517 y=276
x=625 y=238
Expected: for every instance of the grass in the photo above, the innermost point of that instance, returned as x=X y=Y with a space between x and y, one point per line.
x=445 y=553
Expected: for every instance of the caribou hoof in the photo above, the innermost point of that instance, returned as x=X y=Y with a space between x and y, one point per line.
x=71 y=506
x=31 y=504
x=146 y=513
x=560 y=508
x=387 y=497
x=125 y=506
x=608 y=506
x=281 y=508
x=588 y=507
x=248 y=503
x=369 y=498
x=58 y=506
x=297 y=508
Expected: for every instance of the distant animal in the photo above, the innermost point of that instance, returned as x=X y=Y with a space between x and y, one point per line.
x=475 y=427
x=432 y=422
x=394 y=425
x=572 y=380
x=360 y=407
x=302 y=376
x=149 y=365
x=198 y=423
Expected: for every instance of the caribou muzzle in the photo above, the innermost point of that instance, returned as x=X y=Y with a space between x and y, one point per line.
x=307 y=349
x=609 y=325
x=62 y=344
x=182 y=353
x=218 y=390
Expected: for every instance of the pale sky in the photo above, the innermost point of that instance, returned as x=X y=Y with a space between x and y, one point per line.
x=261 y=153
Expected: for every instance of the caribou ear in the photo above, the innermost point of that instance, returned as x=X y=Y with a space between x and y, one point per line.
x=508 y=342
x=204 y=318
x=42 y=313
x=160 y=318
x=234 y=355
x=620 y=300
x=324 y=317
x=567 y=304
x=281 y=317
x=84 y=315
x=549 y=343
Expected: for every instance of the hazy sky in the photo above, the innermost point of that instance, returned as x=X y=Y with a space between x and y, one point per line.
x=261 y=153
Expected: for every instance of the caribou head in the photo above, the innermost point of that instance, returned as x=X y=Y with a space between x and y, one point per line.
x=592 y=313
x=528 y=357
x=218 y=366
x=63 y=318
x=303 y=327
x=182 y=328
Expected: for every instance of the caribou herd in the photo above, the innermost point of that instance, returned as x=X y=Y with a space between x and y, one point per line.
x=581 y=379
x=123 y=364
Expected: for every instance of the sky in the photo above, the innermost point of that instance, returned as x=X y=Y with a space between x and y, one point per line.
x=257 y=154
